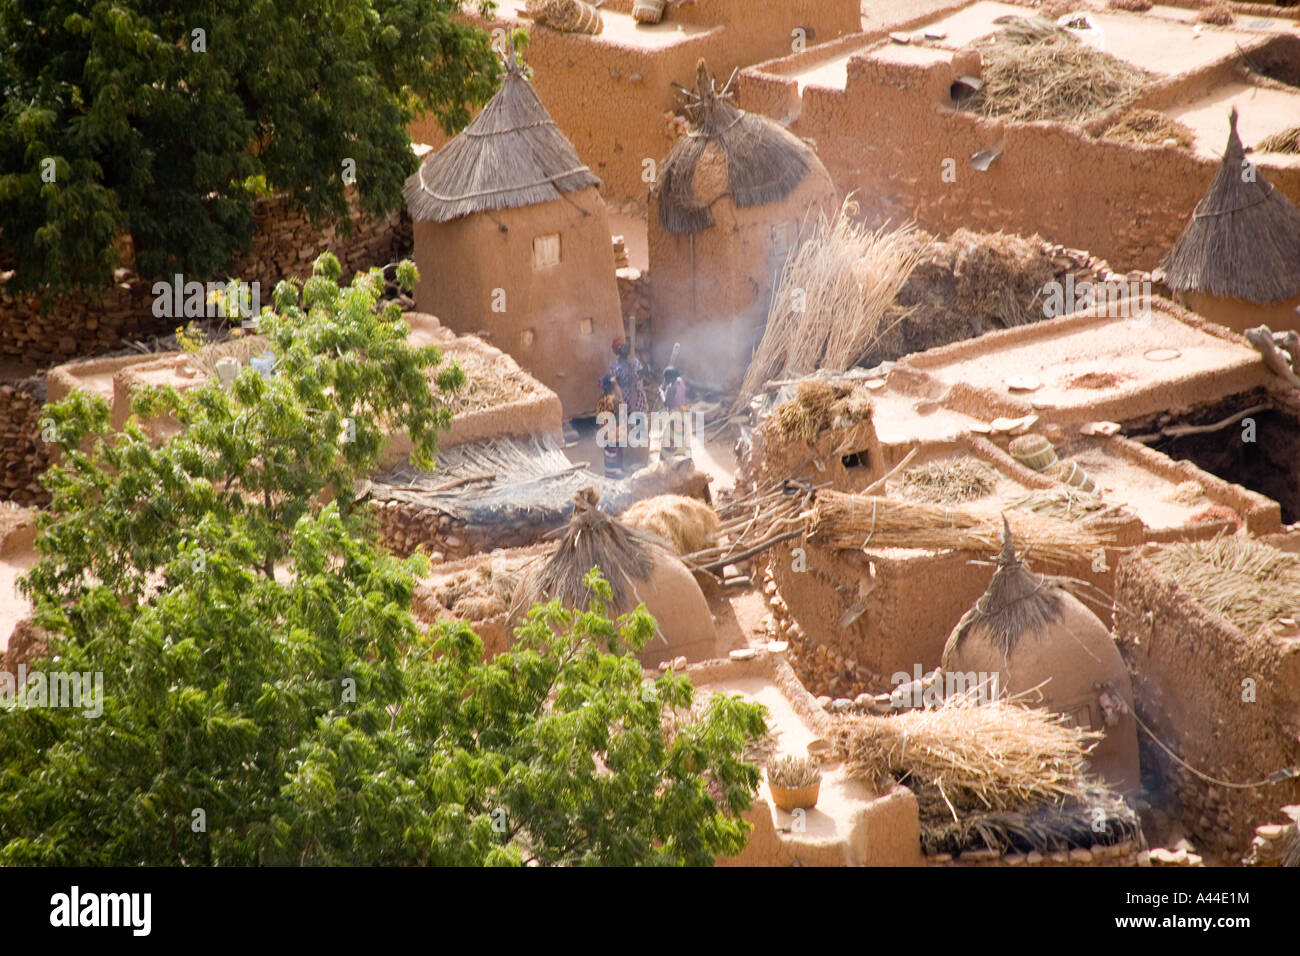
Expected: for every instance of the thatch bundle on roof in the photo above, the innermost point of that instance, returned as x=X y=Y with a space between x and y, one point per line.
x=511 y=155
x=1150 y=128
x=965 y=757
x=1246 y=582
x=763 y=162
x=624 y=554
x=1035 y=70
x=847 y=522
x=1243 y=241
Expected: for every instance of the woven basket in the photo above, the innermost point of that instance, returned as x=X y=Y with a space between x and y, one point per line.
x=1033 y=451
x=803 y=798
x=1074 y=476
x=567 y=16
x=648 y=11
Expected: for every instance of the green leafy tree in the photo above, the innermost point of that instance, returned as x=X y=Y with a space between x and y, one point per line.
x=268 y=697
x=165 y=119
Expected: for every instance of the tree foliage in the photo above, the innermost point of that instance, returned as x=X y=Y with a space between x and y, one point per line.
x=164 y=119
x=268 y=696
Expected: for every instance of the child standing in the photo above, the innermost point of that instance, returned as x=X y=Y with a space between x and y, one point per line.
x=674 y=396
x=608 y=404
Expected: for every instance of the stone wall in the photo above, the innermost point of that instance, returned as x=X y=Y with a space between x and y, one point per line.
x=1188 y=668
x=286 y=243
x=23 y=455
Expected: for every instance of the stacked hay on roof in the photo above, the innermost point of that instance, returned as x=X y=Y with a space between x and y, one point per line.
x=1150 y=128
x=731 y=200
x=640 y=569
x=1044 y=644
x=1238 y=260
x=997 y=776
x=512 y=241
x=687 y=524
x=1034 y=70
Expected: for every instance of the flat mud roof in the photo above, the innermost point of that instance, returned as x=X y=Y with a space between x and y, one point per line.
x=1085 y=367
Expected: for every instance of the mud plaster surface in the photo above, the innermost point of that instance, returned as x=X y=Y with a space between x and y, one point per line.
x=1057 y=352
x=1262 y=111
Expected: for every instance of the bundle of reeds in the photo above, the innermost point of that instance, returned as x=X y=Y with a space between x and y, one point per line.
x=853 y=522
x=1065 y=503
x=1150 y=128
x=831 y=298
x=950 y=481
x=968 y=757
x=1247 y=583
x=818 y=405
x=1284 y=141
x=1034 y=70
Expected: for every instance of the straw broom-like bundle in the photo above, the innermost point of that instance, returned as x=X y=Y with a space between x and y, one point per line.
x=971 y=757
x=831 y=298
x=852 y=522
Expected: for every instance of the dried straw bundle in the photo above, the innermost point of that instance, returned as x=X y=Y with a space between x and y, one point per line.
x=625 y=556
x=1247 y=583
x=688 y=524
x=963 y=756
x=1150 y=128
x=852 y=522
x=567 y=16
x=1034 y=70
x=831 y=298
x=1284 y=141
x=819 y=405
x=951 y=481
x=488 y=383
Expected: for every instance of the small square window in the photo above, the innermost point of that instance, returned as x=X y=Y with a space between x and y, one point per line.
x=587 y=326
x=546 y=251
x=527 y=338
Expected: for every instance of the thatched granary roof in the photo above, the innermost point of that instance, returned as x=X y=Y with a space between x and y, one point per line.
x=764 y=162
x=511 y=155
x=1244 y=238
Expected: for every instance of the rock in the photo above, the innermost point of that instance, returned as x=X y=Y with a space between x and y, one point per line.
x=841 y=704
x=823 y=702
x=1080 y=855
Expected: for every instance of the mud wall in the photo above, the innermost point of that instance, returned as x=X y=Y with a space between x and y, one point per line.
x=1190 y=670
x=888 y=133
x=712 y=288
x=608 y=93
x=477 y=275
x=285 y=244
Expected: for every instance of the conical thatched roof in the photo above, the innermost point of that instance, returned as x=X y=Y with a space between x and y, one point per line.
x=624 y=554
x=511 y=155
x=1244 y=238
x=764 y=162
x=1017 y=602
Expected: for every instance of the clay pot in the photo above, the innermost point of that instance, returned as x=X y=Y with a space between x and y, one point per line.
x=822 y=751
x=802 y=798
x=648 y=11
x=1033 y=451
